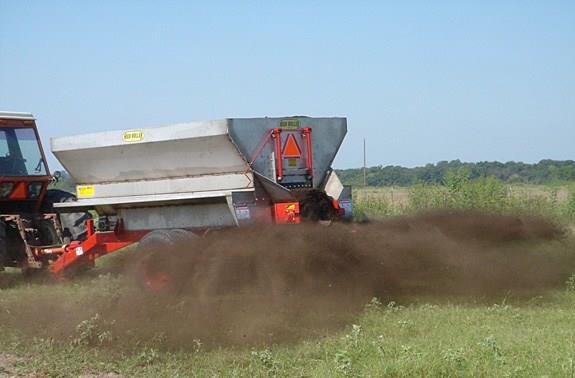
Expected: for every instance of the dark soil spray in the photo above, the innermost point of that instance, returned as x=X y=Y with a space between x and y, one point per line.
x=279 y=283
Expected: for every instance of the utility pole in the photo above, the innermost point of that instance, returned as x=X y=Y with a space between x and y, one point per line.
x=364 y=165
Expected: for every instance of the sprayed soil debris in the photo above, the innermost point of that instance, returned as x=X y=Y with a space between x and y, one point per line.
x=271 y=284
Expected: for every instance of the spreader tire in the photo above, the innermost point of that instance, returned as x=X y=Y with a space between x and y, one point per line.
x=155 y=268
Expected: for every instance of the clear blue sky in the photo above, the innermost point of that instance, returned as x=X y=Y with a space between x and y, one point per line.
x=422 y=81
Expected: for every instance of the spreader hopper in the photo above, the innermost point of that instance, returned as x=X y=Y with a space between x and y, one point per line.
x=197 y=174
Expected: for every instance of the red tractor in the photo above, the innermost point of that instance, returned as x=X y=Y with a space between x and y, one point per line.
x=28 y=224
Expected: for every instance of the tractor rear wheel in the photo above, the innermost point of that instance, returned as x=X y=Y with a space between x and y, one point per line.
x=73 y=224
x=156 y=264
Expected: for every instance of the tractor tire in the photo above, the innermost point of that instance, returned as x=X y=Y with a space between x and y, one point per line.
x=73 y=224
x=48 y=233
x=156 y=267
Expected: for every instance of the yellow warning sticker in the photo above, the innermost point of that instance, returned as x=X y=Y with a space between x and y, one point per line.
x=133 y=136
x=289 y=124
x=85 y=191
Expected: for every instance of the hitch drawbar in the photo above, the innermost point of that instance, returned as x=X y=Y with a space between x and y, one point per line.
x=97 y=244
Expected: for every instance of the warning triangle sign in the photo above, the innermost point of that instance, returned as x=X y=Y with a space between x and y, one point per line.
x=291 y=149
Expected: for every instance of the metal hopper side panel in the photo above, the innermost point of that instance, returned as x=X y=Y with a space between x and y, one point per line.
x=162 y=153
x=194 y=184
x=193 y=216
x=189 y=130
x=276 y=193
x=136 y=199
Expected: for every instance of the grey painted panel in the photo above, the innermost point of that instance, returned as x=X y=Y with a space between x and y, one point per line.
x=186 y=216
x=194 y=184
x=327 y=136
x=147 y=200
x=276 y=192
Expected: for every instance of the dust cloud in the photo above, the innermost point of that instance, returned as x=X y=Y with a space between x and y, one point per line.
x=279 y=283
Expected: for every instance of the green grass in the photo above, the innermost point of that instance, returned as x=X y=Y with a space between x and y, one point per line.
x=551 y=201
x=436 y=336
x=420 y=340
x=417 y=337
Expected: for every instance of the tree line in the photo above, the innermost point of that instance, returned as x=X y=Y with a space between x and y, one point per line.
x=543 y=172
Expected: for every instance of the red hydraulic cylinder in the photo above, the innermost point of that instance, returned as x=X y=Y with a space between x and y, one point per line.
x=307 y=135
x=276 y=134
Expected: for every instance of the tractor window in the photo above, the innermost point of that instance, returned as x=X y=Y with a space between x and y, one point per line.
x=3 y=144
x=20 y=153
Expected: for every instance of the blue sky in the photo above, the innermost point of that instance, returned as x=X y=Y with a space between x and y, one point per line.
x=421 y=81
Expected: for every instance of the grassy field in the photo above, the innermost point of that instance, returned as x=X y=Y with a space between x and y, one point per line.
x=553 y=201
x=418 y=337
x=55 y=329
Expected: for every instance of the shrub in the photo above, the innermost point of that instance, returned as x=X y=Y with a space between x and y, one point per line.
x=93 y=331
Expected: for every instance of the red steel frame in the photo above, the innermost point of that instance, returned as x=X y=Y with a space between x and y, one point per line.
x=275 y=135
x=307 y=135
x=97 y=244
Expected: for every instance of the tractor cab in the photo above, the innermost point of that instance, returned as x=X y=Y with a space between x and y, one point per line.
x=24 y=173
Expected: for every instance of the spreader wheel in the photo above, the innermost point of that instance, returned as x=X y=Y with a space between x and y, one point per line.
x=156 y=263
